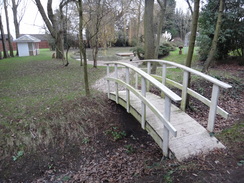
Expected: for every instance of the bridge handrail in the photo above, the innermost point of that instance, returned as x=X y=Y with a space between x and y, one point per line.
x=152 y=80
x=214 y=108
x=169 y=95
x=149 y=104
x=193 y=71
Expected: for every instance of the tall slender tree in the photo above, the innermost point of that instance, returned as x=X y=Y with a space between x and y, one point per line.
x=191 y=45
x=215 y=39
x=8 y=29
x=18 y=14
x=149 y=46
x=96 y=14
x=138 y=21
x=5 y=51
x=82 y=46
x=193 y=33
x=161 y=19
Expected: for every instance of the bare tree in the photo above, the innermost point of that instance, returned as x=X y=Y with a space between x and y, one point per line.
x=193 y=33
x=215 y=39
x=18 y=14
x=55 y=28
x=191 y=44
x=161 y=18
x=138 y=21
x=8 y=30
x=5 y=51
x=82 y=46
x=190 y=7
x=96 y=14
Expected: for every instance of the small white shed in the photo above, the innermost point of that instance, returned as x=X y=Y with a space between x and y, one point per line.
x=27 y=45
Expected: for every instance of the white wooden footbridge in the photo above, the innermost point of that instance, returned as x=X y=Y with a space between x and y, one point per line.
x=174 y=131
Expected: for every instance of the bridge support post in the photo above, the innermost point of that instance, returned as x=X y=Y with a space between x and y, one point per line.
x=213 y=108
x=116 y=84
x=164 y=72
x=127 y=80
x=184 y=90
x=108 y=82
x=136 y=80
x=143 y=106
x=149 y=72
x=167 y=111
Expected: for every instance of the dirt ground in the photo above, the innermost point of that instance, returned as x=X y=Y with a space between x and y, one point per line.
x=116 y=149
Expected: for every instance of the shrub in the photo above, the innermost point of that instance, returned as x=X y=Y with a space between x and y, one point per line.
x=139 y=51
x=177 y=42
x=163 y=51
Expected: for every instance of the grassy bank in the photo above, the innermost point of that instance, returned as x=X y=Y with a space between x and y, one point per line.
x=32 y=87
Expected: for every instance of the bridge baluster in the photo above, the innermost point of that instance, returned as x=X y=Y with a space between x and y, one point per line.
x=116 y=84
x=108 y=83
x=167 y=111
x=143 y=106
x=213 y=108
x=164 y=70
x=184 y=90
x=149 y=72
x=127 y=80
x=136 y=78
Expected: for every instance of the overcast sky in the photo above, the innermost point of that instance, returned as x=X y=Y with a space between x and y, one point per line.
x=32 y=22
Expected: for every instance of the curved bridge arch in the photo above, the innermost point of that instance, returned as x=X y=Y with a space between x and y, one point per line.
x=173 y=130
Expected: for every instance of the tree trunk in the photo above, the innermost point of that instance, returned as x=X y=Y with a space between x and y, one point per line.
x=124 y=32
x=192 y=45
x=193 y=33
x=94 y=55
x=215 y=39
x=5 y=51
x=82 y=47
x=60 y=46
x=8 y=30
x=148 y=30
x=138 y=23
x=52 y=25
x=161 y=18
x=67 y=56
x=159 y=31
x=15 y=15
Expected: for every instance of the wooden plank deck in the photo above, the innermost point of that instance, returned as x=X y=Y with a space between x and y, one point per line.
x=192 y=138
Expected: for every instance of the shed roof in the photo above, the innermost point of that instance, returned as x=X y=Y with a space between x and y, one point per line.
x=42 y=37
x=27 y=39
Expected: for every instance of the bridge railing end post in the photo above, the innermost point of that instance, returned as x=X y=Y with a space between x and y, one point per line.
x=213 y=108
x=165 y=142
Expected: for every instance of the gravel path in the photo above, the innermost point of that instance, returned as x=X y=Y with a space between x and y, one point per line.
x=101 y=84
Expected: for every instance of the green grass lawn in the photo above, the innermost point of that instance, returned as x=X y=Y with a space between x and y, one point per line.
x=31 y=86
x=108 y=54
x=174 y=56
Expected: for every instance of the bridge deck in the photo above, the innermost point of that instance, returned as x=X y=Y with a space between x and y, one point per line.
x=192 y=138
